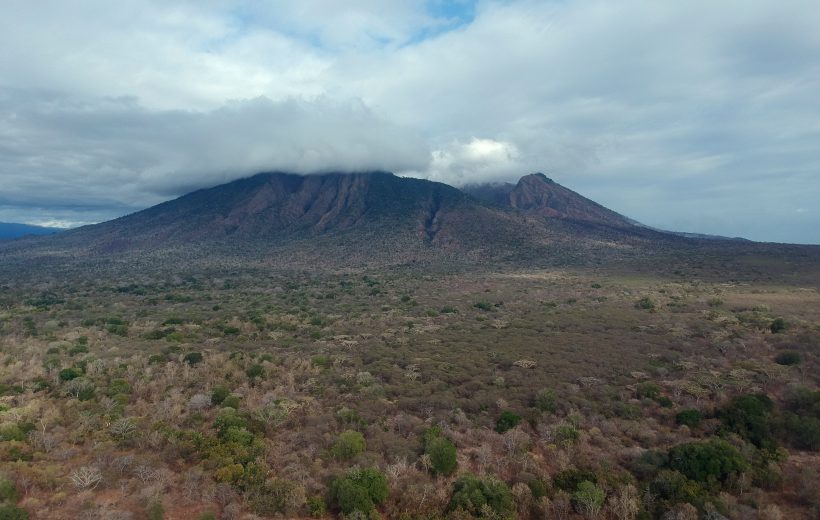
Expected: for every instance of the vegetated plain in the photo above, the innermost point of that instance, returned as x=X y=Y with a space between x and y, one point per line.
x=685 y=390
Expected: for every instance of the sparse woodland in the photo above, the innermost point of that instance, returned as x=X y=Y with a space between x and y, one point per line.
x=531 y=394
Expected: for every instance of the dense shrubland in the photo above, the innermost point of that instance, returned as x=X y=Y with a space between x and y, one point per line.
x=398 y=395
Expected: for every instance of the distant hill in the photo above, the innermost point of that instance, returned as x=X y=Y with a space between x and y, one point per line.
x=9 y=230
x=539 y=196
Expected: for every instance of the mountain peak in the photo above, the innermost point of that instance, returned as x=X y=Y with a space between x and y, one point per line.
x=535 y=178
x=539 y=196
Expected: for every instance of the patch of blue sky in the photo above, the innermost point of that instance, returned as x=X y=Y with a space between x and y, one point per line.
x=448 y=15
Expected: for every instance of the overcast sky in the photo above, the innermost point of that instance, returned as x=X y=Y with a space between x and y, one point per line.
x=698 y=116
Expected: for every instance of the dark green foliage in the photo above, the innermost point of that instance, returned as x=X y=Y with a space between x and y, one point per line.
x=12 y=432
x=803 y=401
x=672 y=486
x=665 y=402
x=67 y=374
x=778 y=325
x=228 y=420
x=320 y=361
x=232 y=401
x=471 y=494
x=802 y=433
x=11 y=512
x=442 y=454
x=707 y=462
x=648 y=464
x=359 y=490
x=588 y=498
x=648 y=391
x=349 y=497
x=317 y=506
x=349 y=417
x=118 y=329
x=78 y=349
x=567 y=434
x=788 y=357
x=569 y=479
x=645 y=303
x=156 y=358
x=349 y=444
x=218 y=394
x=45 y=300
x=255 y=371
x=118 y=386
x=207 y=515
x=538 y=488
x=484 y=306
x=507 y=421
x=800 y=423
x=8 y=491
x=545 y=400
x=749 y=417
x=690 y=417
x=192 y=358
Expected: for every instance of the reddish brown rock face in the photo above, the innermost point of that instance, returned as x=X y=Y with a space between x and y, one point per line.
x=538 y=196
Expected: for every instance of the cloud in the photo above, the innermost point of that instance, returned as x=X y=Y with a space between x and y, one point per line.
x=478 y=160
x=116 y=154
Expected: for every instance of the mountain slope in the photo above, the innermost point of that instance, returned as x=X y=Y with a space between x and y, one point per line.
x=538 y=196
x=9 y=230
x=339 y=219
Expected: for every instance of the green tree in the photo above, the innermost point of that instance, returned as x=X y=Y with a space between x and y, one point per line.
x=442 y=454
x=193 y=358
x=750 y=417
x=218 y=394
x=689 y=417
x=472 y=495
x=545 y=400
x=255 y=371
x=11 y=512
x=359 y=490
x=788 y=357
x=710 y=462
x=588 y=499
x=507 y=421
x=349 y=444
x=778 y=325
x=8 y=491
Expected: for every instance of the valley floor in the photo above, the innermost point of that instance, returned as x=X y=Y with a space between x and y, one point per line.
x=521 y=393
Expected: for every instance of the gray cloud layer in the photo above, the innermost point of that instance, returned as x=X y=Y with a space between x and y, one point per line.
x=698 y=116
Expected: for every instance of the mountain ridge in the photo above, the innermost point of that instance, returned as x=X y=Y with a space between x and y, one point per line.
x=12 y=230
x=335 y=220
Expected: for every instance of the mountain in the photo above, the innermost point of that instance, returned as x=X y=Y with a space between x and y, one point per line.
x=537 y=195
x=9 y=230
x=376 y=219
x=339 y=219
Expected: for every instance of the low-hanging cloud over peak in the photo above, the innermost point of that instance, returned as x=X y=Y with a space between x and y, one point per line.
x=114 y=151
